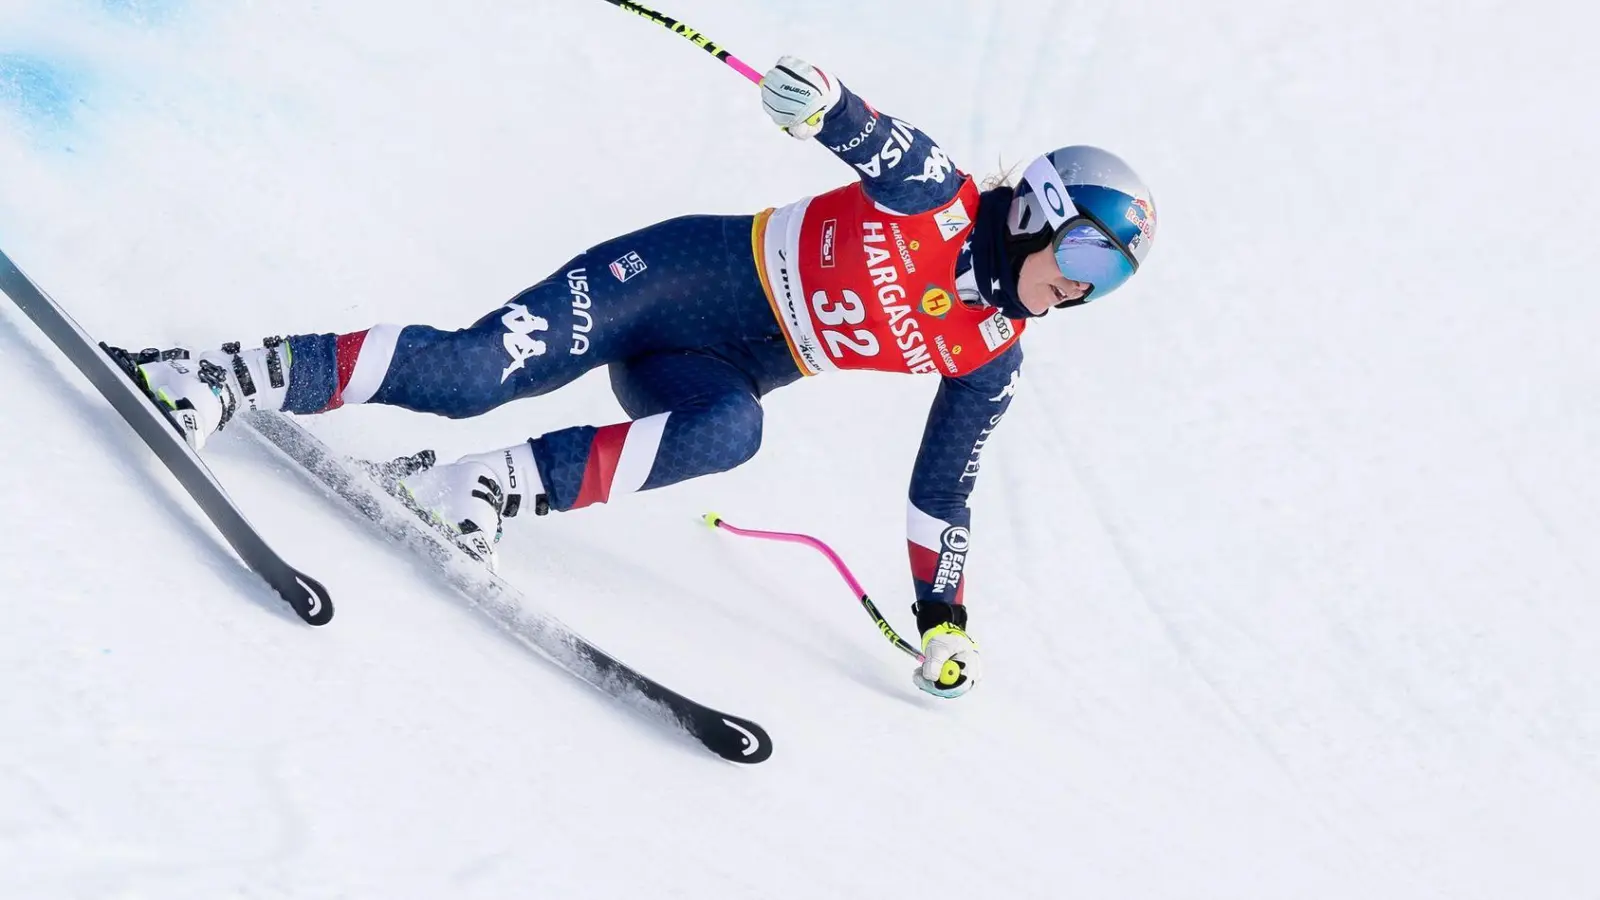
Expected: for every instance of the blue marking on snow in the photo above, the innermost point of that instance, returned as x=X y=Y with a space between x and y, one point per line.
x=144 y=12
x=36 y=90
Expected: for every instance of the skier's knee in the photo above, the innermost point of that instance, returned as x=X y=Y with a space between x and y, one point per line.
x=736 y=418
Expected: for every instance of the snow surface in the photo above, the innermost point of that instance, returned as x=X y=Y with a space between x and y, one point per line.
x=1286 y=558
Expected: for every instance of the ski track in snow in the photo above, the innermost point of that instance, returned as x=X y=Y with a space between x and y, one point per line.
x=1282 y=561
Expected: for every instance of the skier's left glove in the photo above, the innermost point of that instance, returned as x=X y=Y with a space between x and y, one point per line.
x=798 y=96
x=950 y=662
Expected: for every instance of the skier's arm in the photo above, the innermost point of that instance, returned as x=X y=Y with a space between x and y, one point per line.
x=900 y=168
x=965 y=413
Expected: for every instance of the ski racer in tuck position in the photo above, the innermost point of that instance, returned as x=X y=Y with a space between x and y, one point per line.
x=910 y=269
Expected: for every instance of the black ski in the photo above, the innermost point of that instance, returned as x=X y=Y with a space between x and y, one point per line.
x=305 y=595
x=730 y=737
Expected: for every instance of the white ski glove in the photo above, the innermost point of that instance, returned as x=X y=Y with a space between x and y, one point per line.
x=950 y=662
x=798 y=96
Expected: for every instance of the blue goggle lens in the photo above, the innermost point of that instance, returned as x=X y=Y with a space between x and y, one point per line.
x=1084 y=253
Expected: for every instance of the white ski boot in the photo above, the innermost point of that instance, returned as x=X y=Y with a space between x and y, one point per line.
x=203 y=393
x=471 y=498
x=463 y=499
x=195 y=392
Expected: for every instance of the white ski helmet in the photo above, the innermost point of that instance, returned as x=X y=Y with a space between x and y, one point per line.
x=1091 y=209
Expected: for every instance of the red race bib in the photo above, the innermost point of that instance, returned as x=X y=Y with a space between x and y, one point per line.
x=856 y=286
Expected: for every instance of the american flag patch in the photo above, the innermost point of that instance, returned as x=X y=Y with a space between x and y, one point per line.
x=628 y=266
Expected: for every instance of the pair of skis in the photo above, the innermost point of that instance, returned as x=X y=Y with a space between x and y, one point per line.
x=731 y=737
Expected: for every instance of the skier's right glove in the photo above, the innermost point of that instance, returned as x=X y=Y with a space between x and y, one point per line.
x=798 y=96
x=950 y=661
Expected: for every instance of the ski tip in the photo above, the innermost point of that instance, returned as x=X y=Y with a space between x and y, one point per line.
x=712 y=520
x=735 y=739
x=309 y=599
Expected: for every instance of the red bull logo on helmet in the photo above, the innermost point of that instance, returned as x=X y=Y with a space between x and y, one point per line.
x=1141 y=216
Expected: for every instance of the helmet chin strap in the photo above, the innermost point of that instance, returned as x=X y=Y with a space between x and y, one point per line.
x=992 y=264
x=999 y=249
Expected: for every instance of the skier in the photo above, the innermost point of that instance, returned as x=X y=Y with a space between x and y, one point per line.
x=911 y=269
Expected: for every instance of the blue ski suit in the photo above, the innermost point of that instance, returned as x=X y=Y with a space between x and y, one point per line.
x=678 y=313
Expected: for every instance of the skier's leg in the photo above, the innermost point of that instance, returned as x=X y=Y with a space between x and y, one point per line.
x=512 y=352
x=680 y=284
x=507 y=354
x=695 y=413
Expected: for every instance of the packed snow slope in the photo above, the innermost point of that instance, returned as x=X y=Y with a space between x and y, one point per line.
x=1285 y=561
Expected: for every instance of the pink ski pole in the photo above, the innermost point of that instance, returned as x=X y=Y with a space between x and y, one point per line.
x=716 y=521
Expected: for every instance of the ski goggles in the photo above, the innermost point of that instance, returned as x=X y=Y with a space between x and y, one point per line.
x=1084 y=252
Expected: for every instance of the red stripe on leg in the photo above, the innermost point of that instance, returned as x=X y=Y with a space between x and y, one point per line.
x=604 y=451
x=924 y=563
x=925 y=569
x=346 y=350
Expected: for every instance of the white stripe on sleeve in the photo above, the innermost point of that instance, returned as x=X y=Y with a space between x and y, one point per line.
x=924 y=530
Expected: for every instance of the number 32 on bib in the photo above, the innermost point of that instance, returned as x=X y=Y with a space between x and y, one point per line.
x=850 y=311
